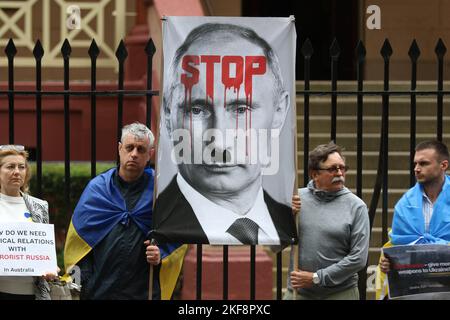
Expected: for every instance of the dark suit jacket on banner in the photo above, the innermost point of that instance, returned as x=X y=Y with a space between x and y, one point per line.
x=175 y=221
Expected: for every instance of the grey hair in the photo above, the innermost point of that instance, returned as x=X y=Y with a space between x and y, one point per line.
x=139 y=130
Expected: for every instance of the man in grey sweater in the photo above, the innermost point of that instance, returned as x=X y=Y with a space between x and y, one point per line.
x=333 y=228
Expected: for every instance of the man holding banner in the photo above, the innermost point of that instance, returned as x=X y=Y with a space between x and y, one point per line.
x=224 y=108
x=333 y=230
x=107 y=237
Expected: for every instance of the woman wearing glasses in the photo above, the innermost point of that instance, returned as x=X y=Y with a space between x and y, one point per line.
x=15 y=206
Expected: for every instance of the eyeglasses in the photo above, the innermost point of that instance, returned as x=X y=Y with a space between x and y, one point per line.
x=16 y=147
x=335 y=169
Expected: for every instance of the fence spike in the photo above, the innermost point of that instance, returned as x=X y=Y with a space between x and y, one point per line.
x=38 y=51
x=386 y=50
x=93 y=50
x=307 y=49
x=414 y=51
x=66 y=49
x=150 y=48
x=10 y=49
x=440 y=49
x=121 y=52
x=360 y=51
x=335 y=50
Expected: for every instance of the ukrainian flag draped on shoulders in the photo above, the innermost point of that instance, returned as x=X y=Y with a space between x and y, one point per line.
x=408 y=225
x=100 y=208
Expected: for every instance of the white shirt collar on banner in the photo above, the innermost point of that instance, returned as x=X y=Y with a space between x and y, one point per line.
x=216 y=220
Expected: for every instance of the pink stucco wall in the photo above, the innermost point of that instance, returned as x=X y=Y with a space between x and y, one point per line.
x=179 y=7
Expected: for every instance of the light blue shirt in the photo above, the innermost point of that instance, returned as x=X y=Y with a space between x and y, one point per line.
x=427 y=210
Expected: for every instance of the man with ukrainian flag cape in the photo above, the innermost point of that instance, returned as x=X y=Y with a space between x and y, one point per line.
x=107 y=237
x=422 y=215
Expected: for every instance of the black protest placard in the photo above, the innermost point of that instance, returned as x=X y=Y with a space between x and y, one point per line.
x=419 y=271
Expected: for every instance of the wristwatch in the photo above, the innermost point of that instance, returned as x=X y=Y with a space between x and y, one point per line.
x=315 y=279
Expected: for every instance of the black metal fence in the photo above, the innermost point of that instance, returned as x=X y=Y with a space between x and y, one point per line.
x=66 y=93
x=381 y=183
x=382 y=176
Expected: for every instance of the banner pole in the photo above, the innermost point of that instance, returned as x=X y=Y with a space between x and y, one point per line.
x=295 y=191
x=150 y=283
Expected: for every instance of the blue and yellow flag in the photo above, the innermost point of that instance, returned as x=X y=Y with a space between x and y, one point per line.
x=172 y=257
x=408 y=225
x=381 y=282
x=99 y=209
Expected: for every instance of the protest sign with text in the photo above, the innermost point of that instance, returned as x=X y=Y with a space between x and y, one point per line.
x=419 y=270
x=27 y=249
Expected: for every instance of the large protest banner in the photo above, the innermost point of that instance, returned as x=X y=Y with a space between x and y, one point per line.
x=225 y=165
x=419 y=271
x=27 y=249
